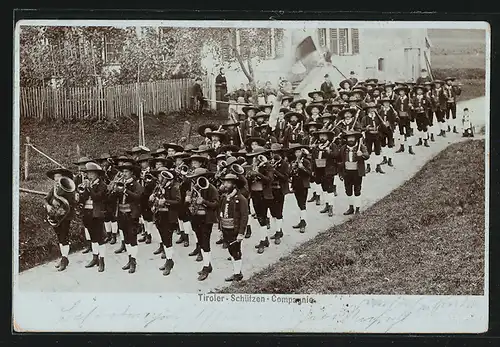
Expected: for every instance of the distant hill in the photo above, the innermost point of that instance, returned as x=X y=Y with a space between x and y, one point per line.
x=458 y=48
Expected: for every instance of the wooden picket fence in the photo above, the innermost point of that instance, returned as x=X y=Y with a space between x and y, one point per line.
x=106 y=102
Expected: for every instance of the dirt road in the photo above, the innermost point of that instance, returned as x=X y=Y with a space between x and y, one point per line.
x=183 y=278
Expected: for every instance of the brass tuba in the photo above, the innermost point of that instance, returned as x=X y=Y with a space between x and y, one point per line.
x=200 y=184
x=237 y=169
x=61 y=207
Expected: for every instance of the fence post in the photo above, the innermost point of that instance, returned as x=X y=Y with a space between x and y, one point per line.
x=26 y=161
x=186 y=132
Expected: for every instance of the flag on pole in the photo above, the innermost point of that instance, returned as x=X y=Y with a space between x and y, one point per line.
x=303 y=53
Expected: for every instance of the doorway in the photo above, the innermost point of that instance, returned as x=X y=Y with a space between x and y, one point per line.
x=412 y=63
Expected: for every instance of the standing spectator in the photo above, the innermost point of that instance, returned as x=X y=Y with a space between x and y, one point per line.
x=221 y=90
x=199 y=100
x=327 y=88
x=352 y=77
x=424 y=77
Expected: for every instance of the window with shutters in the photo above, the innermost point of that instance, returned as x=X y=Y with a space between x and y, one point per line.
x=111 y=51
x=344 y=41
x=322 y=37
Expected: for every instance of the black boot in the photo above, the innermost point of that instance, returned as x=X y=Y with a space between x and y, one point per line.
x=312 y=198
x=426 y=143
x=401 y=148
x=349 y=211
x=108 y=238
x=209 y=268
x=330 y=211
x=325 y=209
x=127 y=266
x=204 y=273
x=277 y=237
x=262 y=245
x=94 y=261
x=318 y=200
x=181 y=238
x=419 y=143
x=168 y=267
x=384 y=160
x=248 y=232
x=58 y=265
x=113 y=239
x=379 y=169
x=440 y=133
x=219 y=241
x=133 y=265
x=196 y=251
x=410 y=150
x=432 y=138
x=224 y=245
x=303 y=225
x=143 y=238
x=148 y=239
x=234 y=277
x=368 y=168
x=199 y=257
x=159 y=250
x=121 y=249
x=389 y=162
x=186 y=240
x=297 y=226
x=357 y=210
x=449 y=129
x=161 y=268
x=163 y=256
x=88 y=248
x=444 y=133
x=64 y=264
x=334 y=190
x=101 y=264
x=455 y=129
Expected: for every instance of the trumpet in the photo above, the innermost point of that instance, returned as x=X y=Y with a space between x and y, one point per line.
x=148 y=178
x=182 y=170
x=84 y=186
x=118 y=177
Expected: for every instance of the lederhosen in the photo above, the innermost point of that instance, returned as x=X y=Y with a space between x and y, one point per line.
x=148 y=188
x=129 y=210
x=389 y=117
x=300 y=183
x=166 y=218
x=325 y=167
x=372 y=137
x=261 y=193
x=350 y=168
x=420 y=107
x=94 y=210
x=233 y=219
x=451 y=101
x=402 y=106
x=430 y=109
x=439 y=104
x=203 y=219
x=280 y=189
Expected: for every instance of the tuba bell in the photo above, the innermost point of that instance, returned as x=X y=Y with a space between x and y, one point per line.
x=202 y=183
x=237 y=169
x=61 y=207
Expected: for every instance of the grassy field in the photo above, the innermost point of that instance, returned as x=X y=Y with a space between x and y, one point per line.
x=425 y=238
x=37 y=241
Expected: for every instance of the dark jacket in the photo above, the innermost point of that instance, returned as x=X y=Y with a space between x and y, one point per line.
x=344 y=154
x=301 y=177
x=292 y=135
x=371 y=125
x=133 y=191
x=281 y=177
x=420 y=105
x=328 y=89
x=172 y=196
x=402 y=104
x=265 y=176
x=236 y=208
x=438 y=99
x=452 y=93
x=221 y=83
x=210 y=202
x=330 y=154
x=98 y=194
x=279 y=131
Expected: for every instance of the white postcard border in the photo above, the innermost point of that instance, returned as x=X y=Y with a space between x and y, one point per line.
x=98 y=312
